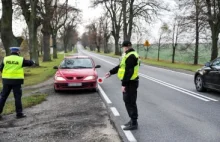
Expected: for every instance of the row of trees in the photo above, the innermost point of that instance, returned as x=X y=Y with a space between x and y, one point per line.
x=52 y=17
x=194 y=21
x=122 y=15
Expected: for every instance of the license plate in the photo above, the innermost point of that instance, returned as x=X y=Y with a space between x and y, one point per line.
x=75 y=84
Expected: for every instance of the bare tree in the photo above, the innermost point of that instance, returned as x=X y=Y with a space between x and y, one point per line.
x=163 y=37
x=7 y=35
x=69 y=36
x=114 y=9
x=178 y=29
x=84 y=40
x=92 y=35
x=136 y=10
x=58 y=20
x=60 y=17
x=213 y=17
x=194 y=19
x=47 y=11
x=106 y=33
x=30 y=11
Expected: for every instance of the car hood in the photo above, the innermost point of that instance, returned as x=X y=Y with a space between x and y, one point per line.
x=76 y=72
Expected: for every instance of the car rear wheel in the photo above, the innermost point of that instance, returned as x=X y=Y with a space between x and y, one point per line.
x=199 y=84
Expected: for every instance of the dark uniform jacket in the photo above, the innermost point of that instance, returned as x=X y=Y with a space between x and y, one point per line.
x=130 y=62
x=15 y=81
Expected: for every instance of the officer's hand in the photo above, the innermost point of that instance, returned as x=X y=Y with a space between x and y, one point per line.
x=123 y=89
x=107 y=75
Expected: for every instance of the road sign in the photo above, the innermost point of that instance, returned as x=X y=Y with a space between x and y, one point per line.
x=146 y=43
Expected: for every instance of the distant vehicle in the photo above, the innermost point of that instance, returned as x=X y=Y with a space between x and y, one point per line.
x=208 y=77
x=76 y=73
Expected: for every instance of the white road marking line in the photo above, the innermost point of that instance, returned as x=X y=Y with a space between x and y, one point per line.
x=129 y=135
x=156 y=80
x=190 y=93
x=108 y=101
x=170 y=86
x=171 y=71
x=115 y=111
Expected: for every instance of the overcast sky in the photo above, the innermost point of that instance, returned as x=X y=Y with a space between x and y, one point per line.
x=89 y=14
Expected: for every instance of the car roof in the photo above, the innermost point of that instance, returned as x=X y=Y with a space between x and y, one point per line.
x=76 y=56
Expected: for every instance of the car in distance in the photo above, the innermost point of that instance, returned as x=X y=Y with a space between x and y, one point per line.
x=76 y=73
x=208 y=77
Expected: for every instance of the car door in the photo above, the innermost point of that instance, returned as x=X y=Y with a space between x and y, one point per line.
x=215 y=74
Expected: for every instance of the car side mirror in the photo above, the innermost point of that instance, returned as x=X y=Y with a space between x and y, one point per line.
x=97 y=66
x=55 y=67
x=207 y=64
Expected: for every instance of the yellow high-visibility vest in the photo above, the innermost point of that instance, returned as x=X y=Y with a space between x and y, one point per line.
x=122 y=67
x=13 y=67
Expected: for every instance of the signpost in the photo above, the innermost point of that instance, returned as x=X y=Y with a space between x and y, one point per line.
x=146 y=44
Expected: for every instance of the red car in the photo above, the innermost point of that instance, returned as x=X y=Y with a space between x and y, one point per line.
x=76 y=73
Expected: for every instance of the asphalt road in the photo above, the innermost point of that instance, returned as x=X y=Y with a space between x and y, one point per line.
x=170 y=109
x=69 y=116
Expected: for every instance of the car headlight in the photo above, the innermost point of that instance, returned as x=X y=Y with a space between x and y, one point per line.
x=90 y=78
x=59 y=78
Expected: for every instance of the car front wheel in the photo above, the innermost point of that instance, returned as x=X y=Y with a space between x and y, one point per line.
x=199 y=84
x=55 y=90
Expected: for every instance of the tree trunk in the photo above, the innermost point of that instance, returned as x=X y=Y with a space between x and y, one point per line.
x=46 y=41
x=46 y=46
x=32 y=26
x=197 y=36
x=173 y=56
x=158 y=54
x=105 y=44
x=7 y=35
x=130 y=22
x=125 y=25
x=33 y=42
x=54 y=38
x=98 y=47
x=215 y=34
x=65 y=44
x=117 y=52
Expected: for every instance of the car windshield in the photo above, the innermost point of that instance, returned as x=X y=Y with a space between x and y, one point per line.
x=216 y=62
x=76 y=63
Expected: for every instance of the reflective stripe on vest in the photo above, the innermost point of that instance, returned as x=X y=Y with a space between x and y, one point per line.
x=121 y=70
x=13 y=67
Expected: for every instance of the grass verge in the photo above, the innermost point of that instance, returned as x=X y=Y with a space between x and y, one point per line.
x=26 y=102
x=36 y=75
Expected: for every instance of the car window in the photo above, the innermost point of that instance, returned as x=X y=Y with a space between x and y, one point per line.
x=76 y=63
x=216 y=62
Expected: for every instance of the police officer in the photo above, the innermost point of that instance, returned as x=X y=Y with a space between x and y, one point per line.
x=127 y=72
x=12 y=78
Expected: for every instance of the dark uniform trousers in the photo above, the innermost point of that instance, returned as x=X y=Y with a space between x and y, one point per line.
x=130 y=97
x=17 y=95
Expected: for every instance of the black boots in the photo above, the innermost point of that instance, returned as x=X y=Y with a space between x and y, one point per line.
x=131 y=125
x=127 y=124
x=22 y=115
